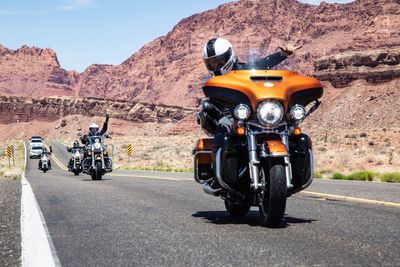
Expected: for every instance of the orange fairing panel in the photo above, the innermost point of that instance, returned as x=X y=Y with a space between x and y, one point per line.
x=204 y=144
x=256 y=90
x=276 y=148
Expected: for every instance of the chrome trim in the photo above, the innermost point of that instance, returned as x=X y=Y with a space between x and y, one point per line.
x=288 y=165
x=208 y=190
x=218 y=173
x=311 y=171
x=274 y=155
x=253 y=161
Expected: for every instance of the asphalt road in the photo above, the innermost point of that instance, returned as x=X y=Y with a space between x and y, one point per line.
x=147 y=219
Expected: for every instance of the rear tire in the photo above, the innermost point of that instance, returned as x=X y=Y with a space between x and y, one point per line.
x=76 y=172
x=44 y=170
x=236 y=210
x=273 y=198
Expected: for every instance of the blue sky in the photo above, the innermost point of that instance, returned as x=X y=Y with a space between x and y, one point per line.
x=94 y=31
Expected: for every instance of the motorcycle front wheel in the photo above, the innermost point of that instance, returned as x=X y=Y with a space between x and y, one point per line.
x=273 y=198
x=97 y=175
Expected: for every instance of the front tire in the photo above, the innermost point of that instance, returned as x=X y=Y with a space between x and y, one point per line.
x=236 y=210
x=273 y=198
x=76 y=172
x=98 y=172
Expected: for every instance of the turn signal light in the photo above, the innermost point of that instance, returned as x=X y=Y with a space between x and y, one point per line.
x=240 y=131
x=297 y=131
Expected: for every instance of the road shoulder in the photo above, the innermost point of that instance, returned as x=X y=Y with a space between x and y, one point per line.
x=10 y=212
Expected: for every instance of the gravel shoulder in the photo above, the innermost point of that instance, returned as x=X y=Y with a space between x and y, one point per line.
x=10 y=229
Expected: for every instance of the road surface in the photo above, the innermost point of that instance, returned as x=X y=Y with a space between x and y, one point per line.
x=150 y=218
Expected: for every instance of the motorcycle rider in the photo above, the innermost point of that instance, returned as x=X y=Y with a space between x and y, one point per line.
x=94 y=130
x=45 y=153
x=75 y=147
x=219 y=58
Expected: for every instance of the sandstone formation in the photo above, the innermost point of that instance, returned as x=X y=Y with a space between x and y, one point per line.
x=18 y=109
x=169 y=69
x=34 y=71
x=374 y=66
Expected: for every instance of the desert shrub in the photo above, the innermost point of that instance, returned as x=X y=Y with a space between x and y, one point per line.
x=390 y=177
x=317 y=175
x=338 y=176
x=361 y=176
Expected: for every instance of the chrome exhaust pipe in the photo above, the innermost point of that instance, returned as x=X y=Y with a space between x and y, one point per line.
x=208 y=190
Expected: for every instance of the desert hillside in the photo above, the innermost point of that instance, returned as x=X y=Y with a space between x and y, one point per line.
x=354 y=48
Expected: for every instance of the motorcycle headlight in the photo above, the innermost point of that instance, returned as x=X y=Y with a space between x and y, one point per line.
x=97 y=146
x=270 y=113
x=298 y=112
x=242 y=112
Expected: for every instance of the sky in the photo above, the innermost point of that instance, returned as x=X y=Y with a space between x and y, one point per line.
x=83 y=32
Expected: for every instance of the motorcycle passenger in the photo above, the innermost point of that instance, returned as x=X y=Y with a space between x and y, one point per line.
x=219 y=58
x=47 y=154
x=75 y=147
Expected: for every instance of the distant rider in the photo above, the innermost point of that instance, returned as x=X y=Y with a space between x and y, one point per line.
x=94 y=130
x=47 y=154
x=75 y=147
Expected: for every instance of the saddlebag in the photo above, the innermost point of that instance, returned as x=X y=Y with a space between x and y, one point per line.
x=302 y=161
x=203 y=160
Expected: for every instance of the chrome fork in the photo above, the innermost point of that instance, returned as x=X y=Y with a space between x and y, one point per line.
x=288 y=165
x=254 y=162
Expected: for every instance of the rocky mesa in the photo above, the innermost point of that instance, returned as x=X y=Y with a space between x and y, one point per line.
x=31 y=71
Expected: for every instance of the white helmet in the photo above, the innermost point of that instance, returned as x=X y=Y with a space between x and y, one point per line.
x=93 y=128
x=218 y=56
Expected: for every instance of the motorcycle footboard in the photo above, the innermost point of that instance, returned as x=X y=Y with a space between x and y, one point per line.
x=203 y=160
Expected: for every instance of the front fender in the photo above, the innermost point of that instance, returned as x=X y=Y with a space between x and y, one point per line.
x=276 y=148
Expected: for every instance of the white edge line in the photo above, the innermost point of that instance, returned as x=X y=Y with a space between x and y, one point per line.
x=37 y=248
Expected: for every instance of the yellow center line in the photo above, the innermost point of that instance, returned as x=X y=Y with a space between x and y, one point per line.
x=351 y=199
x=58 y=162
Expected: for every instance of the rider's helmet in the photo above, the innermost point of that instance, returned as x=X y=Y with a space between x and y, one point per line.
x=218 y=56
x=93 y=128
x=76 y=144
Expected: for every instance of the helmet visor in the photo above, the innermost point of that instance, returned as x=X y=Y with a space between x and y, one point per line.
x=217 y=62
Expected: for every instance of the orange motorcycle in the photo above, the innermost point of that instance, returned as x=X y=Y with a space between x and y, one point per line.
x=266 y=157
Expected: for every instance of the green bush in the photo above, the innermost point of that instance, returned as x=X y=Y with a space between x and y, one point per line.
x=361 y=176
x=390 y=177
x=338 y=176
x=317 y=175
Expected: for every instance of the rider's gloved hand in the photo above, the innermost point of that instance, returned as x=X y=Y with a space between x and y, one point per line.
x=289 y=49
x=107 y=117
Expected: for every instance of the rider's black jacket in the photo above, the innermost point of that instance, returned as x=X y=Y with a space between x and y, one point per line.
x=101 y=132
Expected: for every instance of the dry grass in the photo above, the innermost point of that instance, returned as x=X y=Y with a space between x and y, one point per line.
x=14 y=172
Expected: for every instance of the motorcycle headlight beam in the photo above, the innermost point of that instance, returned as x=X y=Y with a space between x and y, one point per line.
x=298 y=112
x=242 y=112
x=270 y=113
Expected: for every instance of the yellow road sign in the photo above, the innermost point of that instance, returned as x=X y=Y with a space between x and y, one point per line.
x=129 y=150
x=8 y=151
